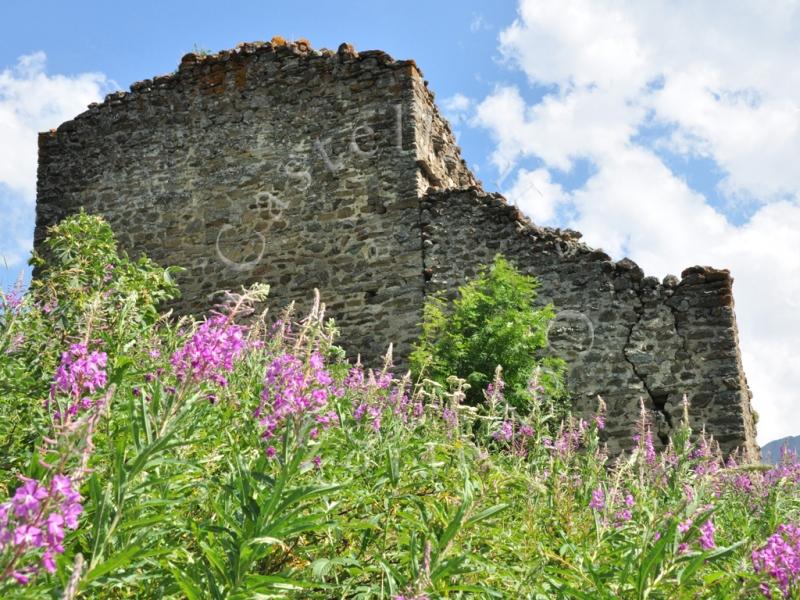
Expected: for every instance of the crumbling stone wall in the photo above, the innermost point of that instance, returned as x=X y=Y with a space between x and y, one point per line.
x=272 y=162
x=624 y=336
x=275 y=162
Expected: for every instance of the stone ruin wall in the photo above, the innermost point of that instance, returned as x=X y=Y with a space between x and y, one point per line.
x=334 y=170
x=624 y=336
x=269 y=163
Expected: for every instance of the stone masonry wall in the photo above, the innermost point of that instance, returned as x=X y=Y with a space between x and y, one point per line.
x=272 y=162
x=624 y=336
x=334 y=170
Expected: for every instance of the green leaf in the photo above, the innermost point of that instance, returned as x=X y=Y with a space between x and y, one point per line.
x=114 y=562
x=191 y=589
x=486 y=513
x=649 y=564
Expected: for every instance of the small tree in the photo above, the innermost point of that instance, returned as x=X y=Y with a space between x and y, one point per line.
x=491 y=322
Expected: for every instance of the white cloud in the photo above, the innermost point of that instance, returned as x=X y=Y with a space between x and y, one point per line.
x=457 y=103
x=537 y=196
x=721 y=81
x=31 y=101
x=478 y=23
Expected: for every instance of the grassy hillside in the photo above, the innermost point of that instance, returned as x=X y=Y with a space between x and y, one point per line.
x=240 y=456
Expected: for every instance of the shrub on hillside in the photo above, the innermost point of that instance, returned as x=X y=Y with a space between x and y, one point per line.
x=86 y=292
x=491 y=322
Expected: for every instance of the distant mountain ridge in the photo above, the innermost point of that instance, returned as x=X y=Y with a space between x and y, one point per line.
x=771 y=452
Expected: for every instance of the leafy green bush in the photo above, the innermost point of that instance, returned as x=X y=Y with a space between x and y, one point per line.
x=492 y=322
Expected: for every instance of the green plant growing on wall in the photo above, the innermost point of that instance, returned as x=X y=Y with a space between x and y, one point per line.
x=492 y=322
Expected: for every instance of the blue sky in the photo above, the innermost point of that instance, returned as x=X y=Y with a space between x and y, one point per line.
x=667 y=130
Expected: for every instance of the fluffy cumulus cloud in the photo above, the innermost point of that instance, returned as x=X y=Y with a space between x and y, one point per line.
x=31 y=101
x=637 y=90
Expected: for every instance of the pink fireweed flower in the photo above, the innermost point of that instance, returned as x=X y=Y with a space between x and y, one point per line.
x=600 y=422
x=80 y=371
x=377 y=393
x=505 y=432
x=212 y=350
x=35 y=520
x=450 y=418
x=598 y=501
x=600 y=415
x=28 y=498
x=644 y=435
x=685 y=526
x=294 y=391
x=650 y=452
x=707 y=535
x=355 y=378
x=11 y=301
x=622 y=516
x=28 y=536
x=358 y=413
x=688 y=491
x=48 y=561
x=370 y=380
x=534 y=387
x=779 y=560
x=496 y=388
x=567 y=441
x=743 y=483
x=644 y=444
x=375 y=412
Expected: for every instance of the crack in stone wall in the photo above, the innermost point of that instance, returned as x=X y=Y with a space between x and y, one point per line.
x=657 y=401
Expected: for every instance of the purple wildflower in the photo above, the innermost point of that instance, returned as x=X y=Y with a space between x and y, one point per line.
x=212 y=349
x=779 y=560
x=506 y=431
x=598 y=501
x=80 y=372
x=707 y=535
x=34 y=520
x=600 y=415
x=292 y=391
x=623 y=516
